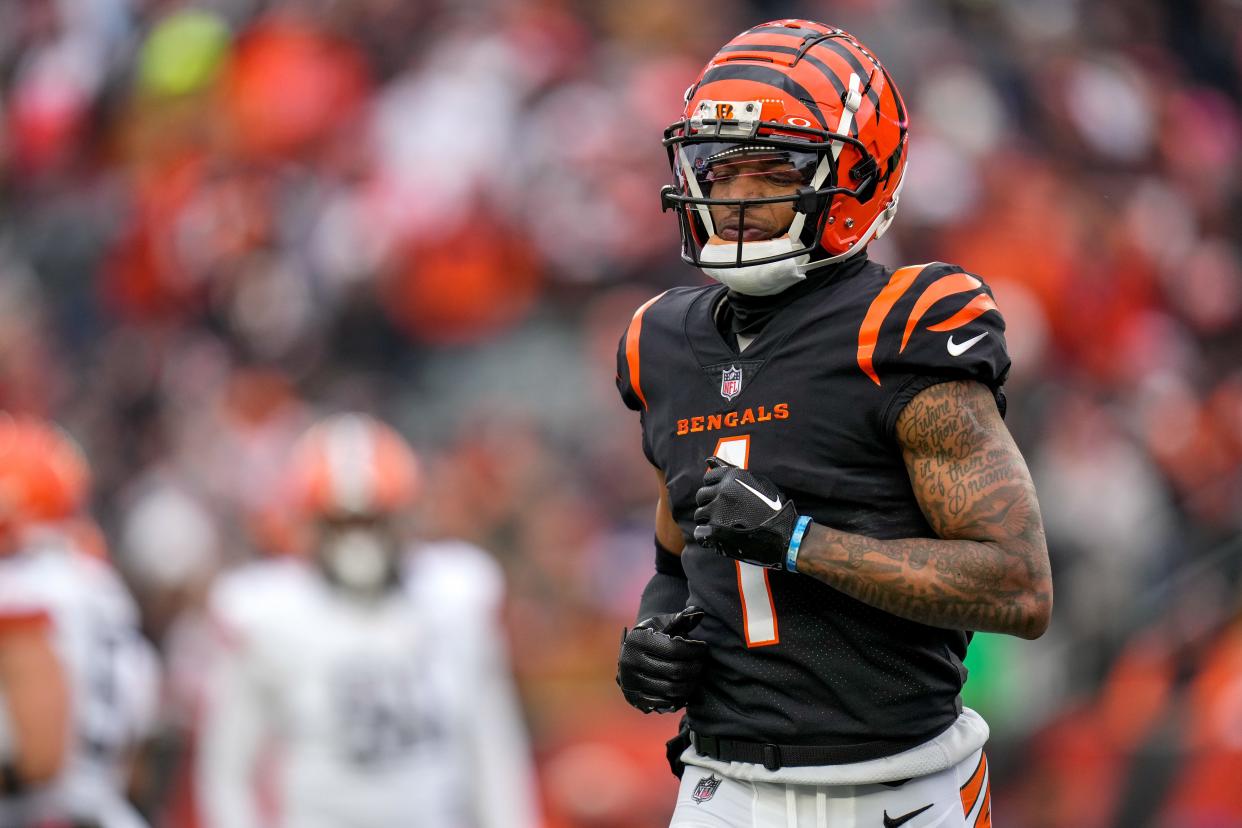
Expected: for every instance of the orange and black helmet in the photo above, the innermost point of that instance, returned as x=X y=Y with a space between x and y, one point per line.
x=814 y=96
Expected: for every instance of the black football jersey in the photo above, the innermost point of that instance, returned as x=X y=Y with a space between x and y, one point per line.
x=812 y=403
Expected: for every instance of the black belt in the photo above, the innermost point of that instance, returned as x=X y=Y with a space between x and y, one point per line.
x=775 y=757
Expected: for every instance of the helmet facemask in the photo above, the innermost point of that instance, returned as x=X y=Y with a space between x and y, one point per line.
x=806 y=162
x=360 y=556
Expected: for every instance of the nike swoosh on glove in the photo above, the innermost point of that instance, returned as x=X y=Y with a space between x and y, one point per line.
x=743 y=515
x=659 y=668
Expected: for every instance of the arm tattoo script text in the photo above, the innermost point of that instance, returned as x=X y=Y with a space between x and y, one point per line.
x=988 y=569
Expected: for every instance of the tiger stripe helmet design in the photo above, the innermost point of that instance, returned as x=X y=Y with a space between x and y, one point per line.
x=815 y=97
x=353 y=466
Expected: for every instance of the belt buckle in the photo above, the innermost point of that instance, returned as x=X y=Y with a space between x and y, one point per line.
x=772 y=757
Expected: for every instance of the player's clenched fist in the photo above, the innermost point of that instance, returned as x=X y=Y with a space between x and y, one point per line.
x=743 y=515
x=659 y=667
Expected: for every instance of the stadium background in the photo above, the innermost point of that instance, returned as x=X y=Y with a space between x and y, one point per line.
x=219 y=219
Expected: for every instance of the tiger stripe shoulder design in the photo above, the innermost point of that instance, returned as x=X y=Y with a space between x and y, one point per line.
x=920 y=320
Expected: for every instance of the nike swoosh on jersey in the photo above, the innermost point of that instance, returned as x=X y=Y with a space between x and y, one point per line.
x=774 y=505
x=893 y=822
x=957 y=349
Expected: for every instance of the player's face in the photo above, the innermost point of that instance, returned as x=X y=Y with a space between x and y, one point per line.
x=359 y=555
x=753 y=178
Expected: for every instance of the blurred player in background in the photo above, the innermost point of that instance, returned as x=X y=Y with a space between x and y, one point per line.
x=818 y=649
x=78 y=683
x=368 y=680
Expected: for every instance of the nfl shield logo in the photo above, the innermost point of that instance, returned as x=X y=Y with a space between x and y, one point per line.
x=731 y=382
x=706 y=789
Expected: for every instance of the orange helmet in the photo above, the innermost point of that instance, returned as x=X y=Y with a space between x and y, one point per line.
x=352 y=465
x=808 y=94
x=44 y=476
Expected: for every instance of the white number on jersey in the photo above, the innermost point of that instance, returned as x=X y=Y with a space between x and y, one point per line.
x=758 y=609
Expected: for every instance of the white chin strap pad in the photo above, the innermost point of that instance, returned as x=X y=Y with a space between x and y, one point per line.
x=755 y=279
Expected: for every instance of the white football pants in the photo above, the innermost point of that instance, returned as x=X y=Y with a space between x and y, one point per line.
x=958 y=797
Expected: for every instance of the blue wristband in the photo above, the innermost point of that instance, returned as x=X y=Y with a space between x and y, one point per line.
x=795 y=543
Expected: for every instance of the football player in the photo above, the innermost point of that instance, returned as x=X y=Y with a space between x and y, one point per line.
x=79 y=685
x=840 y=502
x=375 y=675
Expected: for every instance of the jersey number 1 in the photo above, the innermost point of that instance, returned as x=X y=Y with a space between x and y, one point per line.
x=758 y=610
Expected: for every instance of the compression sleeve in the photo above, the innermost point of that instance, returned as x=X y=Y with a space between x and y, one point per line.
x=667 y=591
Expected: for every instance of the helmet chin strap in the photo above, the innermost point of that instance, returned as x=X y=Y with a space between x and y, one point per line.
x=757 y=279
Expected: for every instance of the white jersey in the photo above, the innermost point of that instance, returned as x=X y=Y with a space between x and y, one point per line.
x=393 y=713
x=113 y=678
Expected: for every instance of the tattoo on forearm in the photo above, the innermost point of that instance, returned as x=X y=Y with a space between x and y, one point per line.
x=988 y=569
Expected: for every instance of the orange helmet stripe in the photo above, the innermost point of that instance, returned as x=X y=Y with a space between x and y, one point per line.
x=847 y=50
x=837 y=42
x=767 y=76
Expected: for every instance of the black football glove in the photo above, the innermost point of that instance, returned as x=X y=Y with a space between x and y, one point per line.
x=743 y=515
x=659 y=667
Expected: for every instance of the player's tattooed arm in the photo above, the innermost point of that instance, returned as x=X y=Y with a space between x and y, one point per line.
x=989 y=569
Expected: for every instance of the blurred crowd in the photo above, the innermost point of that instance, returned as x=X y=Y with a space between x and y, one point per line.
x=221 y=219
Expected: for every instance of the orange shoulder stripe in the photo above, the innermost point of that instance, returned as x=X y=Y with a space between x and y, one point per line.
x=975 y=308
x=939 y=289
x=632 y=335
x=869 y=332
